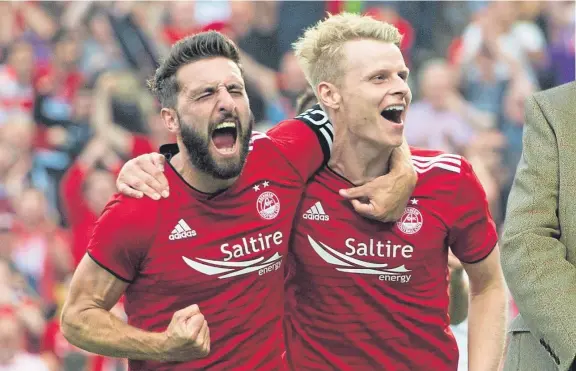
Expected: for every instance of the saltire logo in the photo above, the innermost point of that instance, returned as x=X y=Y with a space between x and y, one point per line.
x=229 y=269
x=349 y=264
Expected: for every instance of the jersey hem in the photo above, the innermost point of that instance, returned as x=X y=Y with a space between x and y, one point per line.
x=109 y=270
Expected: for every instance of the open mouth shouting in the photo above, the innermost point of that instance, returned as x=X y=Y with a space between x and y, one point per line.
x=225 y=137
x=394 y=113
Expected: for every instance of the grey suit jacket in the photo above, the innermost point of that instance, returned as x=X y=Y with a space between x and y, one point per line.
x=539 y=240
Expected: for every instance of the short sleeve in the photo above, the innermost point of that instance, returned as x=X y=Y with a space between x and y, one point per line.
x=306 y=141
x=472 y=235
x=123 y=234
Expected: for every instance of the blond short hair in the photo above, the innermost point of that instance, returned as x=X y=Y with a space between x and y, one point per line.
x=319 y=50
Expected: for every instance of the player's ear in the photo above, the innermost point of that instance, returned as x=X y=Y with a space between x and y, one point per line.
x=328 y=95
x=170 y=119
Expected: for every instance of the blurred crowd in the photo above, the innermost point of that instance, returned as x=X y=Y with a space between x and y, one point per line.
x=74 y=107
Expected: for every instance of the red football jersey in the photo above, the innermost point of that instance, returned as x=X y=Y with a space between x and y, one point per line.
x=224 y=252
x=365 y=295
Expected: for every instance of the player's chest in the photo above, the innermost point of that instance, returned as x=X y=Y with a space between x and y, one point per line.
x=333 y=240
x=244 y=236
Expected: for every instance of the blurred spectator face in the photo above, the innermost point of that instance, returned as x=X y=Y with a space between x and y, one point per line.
x=561 y=13
x=6 y=241
x=67 y=52
x=293 y=79
x=514 y=103
x=504 y=13
x=182 y=14
x=7 y=158
x=5 y=273
x=82 y=104
x=263 y=16
x=11 y=338
x=436 y=84
x=386 y=14
x=31 y=207
x=529 y=10
x=21 y=59
x=99 y=188
x=100 y=29
x=242 y=16
x=488 y=145
x=18 y=133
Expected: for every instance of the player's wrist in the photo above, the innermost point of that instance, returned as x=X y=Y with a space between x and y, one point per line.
x=162 y=344
x=401 y=167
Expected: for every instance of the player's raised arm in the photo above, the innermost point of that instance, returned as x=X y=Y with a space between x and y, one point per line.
x=88 y=324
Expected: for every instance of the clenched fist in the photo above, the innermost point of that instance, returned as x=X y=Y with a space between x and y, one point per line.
x=187 y=335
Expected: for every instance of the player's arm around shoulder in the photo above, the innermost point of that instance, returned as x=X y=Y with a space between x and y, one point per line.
x=119 y=243
x=144 y=176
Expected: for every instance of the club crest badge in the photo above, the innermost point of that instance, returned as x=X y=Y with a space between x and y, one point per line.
x=268 y=205
x=411 y=221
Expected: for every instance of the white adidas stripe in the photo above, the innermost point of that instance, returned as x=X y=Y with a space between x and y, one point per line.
x=448 y=162
x=254 y=137
x=444 y=160
x=453 y=169
x=184 y=225
x=181 y=227
x=443 y=155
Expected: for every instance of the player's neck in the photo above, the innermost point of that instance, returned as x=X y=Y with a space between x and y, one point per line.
x=358 y=161
x=198 y=179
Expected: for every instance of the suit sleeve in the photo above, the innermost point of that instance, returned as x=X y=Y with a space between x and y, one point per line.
x=472 y=235
x=122 y=236
x=541 y=280
x=305 y=141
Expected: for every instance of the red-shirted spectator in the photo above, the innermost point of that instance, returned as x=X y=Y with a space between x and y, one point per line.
x=63 y=72
x=40 y=250
x=85 y=190
x=13 y=354
x=16 y=92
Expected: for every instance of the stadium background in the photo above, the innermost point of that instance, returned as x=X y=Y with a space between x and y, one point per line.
x=74 y=107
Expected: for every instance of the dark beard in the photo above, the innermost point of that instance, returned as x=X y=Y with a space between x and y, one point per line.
x=199 y=154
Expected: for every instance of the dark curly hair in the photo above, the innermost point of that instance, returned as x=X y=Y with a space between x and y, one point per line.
x=187 y=50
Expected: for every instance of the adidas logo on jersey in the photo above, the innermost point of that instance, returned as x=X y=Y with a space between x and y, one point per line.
x=181 y=231
x=316 y=212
